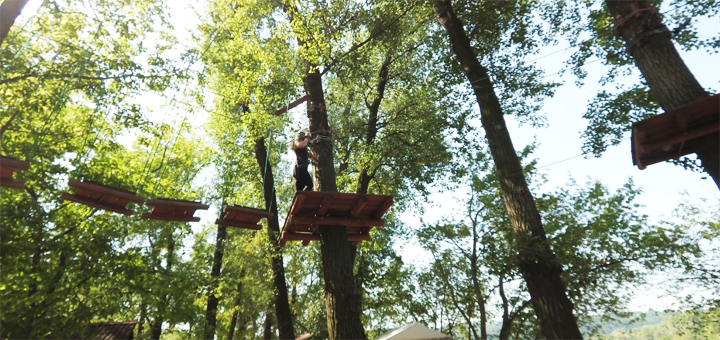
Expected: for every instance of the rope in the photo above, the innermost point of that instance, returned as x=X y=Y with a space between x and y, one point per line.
x=60 y=100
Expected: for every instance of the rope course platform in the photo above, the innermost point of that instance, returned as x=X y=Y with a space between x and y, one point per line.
x=357 y=212
x=101 y=196
x=8 y=166
x=674 y=133
x=173 y=210
x=242 y=217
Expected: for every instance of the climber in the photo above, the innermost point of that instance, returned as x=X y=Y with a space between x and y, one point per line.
x=303 y=180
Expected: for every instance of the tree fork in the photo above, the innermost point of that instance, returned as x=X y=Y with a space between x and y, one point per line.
x=670 y=81
x=537 y=262
x=282 y=304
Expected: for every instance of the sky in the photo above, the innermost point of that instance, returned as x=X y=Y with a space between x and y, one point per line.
x=662 y=184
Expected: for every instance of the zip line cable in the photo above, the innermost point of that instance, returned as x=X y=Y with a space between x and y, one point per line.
x=538 y=167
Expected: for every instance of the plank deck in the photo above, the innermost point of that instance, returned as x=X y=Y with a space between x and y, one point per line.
x=8 y=167
x=675 y=133
x=242 y=217
x=101 y=196
x=356 y=212
x=173 y=210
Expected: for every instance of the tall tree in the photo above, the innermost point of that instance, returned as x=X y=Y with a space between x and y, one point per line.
x=669 y=79
x=536 y=260
x=281 y=299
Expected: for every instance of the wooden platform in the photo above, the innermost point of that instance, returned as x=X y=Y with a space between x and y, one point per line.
x=173 y=210
x=8 y=166
x=242 y=217
x=674 y=133
x=101 y=196
x=311 y=209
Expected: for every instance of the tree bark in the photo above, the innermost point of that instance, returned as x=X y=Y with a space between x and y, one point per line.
x=213 y=299
x=9 y=11
x=282 y=304
x=670 y=81
x=537 y=262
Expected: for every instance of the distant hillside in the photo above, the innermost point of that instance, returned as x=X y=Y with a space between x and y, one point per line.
x=636 y=320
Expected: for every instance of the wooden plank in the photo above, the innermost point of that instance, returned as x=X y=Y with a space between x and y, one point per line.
x=361 y=202
x=169 y=217
x=236 y=224
x=292 y=105
x=324 y=205
x=290 y=236
x=12 y=163
x=177 y=204
x=297 y=203
x=96 y=204
x=692 y=134
x=358 y=237
x=12 y=184
x=106 y=190
x=336 y=221
x=383 y=208
x=248 y=211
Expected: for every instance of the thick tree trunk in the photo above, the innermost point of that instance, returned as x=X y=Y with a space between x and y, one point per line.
x=670 y=81
x=9 y=11
x=537 y=262
x=341 y=299
x=213 y=299
x=282 y=305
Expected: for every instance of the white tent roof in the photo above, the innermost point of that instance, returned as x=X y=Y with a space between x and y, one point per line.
x=414 y=331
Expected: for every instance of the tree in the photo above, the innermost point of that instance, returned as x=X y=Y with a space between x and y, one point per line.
x=658 y=61
x=537 y=263
x=609 y=248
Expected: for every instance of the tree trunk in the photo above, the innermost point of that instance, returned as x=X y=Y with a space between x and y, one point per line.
x=506 y=321
x=9 y=11
x=479 y=295
x=156 y=327
x=341 y=298
x=267 y=327
x=670 y=81
x=282 y=305
x=236 y=312
x=537 y=262
x=213 y=299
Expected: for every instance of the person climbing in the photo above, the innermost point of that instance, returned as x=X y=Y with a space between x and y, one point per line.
x=303 y=181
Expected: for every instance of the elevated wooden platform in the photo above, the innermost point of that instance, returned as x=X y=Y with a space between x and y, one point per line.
x=173 y=210
x=242 y=217
x=8 y=166
x=101 y=196
x=310 y=209
x=674 y=133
